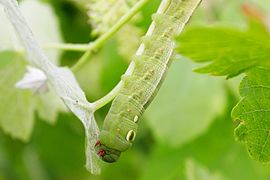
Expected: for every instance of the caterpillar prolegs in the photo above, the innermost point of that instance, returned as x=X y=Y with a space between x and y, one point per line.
x=139 y=88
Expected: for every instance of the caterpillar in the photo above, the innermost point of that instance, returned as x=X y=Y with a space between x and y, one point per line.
x=139 y=88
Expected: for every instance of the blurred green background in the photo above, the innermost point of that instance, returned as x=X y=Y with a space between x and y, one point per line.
x=187 y=132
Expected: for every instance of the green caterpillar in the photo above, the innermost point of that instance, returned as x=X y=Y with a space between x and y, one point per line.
x=120 y=125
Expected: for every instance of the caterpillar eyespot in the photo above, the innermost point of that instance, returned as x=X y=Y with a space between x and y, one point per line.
x=131 y=136
x=139 y=88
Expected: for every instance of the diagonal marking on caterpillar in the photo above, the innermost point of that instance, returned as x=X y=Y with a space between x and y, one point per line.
x=151 y=63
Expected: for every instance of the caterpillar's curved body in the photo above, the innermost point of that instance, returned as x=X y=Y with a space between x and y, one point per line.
x=120 y=125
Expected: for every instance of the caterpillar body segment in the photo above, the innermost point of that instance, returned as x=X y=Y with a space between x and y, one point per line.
x=139 y=88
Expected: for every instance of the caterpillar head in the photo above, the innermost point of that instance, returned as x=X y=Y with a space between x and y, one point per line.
x=110 y=145
x=107 y=154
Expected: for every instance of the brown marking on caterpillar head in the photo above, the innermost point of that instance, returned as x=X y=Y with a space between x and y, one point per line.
x=107 y=154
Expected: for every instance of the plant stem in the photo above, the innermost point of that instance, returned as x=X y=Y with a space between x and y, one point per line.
x=111 y=95
x=67 y=46
x=100 y=41
x=108 y=97
x=61 y=46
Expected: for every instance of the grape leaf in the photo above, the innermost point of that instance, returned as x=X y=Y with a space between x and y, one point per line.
x=215 y=150
x=253 y=113
x=232 y=52
x=229 y=51
x=16 y=107
x=5 y=58
x=48 y=105
x=61 y=79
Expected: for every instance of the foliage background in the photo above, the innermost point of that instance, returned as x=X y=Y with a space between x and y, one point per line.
x=187 y=132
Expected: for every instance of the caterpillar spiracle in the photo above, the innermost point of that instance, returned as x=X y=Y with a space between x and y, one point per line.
x=139 y=88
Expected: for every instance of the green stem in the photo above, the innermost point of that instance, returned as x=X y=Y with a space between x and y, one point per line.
x=68 y=46
x=108 y=97
x=111 y=95
x=61 y=46
x=100 y=41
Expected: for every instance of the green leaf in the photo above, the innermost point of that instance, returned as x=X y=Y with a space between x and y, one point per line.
x=215 y=150
x=229 y=51
x=6 y=57
x=16 y=107
x=62 y=80
x=186 y=103
x=253 y=114
x=48 y=105
x=233 y=52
